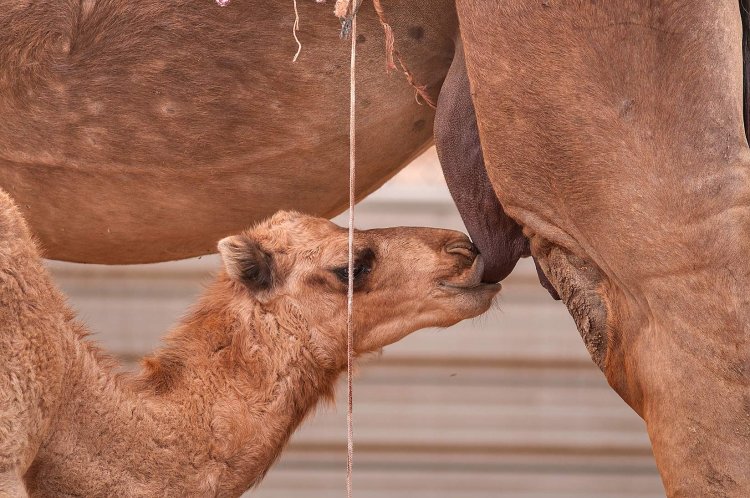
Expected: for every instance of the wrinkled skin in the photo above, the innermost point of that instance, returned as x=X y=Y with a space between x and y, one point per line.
x=460 y=153
x=498 y=236
x=616 y=141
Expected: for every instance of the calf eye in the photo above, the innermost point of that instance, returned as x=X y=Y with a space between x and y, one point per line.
x=359 y=271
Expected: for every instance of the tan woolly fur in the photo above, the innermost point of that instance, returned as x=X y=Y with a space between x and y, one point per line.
x=211 y=410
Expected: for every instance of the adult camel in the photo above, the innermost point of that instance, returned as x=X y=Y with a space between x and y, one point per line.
x=612 y=134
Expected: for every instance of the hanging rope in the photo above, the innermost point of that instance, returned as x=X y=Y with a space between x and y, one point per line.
x=350 y=293
x=391 y=52
x=346 y=10
x=295 y=28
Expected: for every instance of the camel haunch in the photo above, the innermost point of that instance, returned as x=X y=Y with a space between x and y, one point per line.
x=613 y=134
x=210 y=411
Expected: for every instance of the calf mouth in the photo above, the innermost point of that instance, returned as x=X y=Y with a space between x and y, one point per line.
x=470 y=280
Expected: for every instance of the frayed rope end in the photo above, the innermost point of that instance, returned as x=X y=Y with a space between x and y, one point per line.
x=346 y=10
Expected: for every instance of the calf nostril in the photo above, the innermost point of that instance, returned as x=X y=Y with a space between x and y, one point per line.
x=463 y=248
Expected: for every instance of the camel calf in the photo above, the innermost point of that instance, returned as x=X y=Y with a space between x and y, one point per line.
x=213 y=408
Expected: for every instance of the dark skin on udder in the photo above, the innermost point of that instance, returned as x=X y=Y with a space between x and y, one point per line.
x=499 y=238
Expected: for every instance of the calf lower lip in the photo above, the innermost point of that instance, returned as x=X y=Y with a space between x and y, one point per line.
x=469 y=279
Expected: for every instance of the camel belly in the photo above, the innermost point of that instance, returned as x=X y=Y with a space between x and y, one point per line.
x=133 y=149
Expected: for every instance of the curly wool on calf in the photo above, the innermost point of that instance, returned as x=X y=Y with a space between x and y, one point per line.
x=212 y=409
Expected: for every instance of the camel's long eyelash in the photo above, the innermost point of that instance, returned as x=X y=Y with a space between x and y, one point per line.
x=359 y=271
x=362 y=266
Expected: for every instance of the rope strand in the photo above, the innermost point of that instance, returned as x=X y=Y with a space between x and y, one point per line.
x=295 y=28
x=350 y=291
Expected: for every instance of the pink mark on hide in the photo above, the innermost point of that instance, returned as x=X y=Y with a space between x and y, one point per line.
x=222 y=3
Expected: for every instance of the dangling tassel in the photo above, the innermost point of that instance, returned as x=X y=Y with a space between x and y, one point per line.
x=345 y=10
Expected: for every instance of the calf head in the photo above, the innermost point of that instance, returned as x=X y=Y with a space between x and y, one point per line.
x=404 y=278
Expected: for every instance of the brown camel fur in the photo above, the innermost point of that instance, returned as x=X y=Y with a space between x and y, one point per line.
x=189 y=107
x=211 y=410
x=613 y=133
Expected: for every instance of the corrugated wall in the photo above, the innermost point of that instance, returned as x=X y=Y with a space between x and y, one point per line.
x=507 y=405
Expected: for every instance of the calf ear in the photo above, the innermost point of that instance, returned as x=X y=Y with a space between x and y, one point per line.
x=246 y=262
